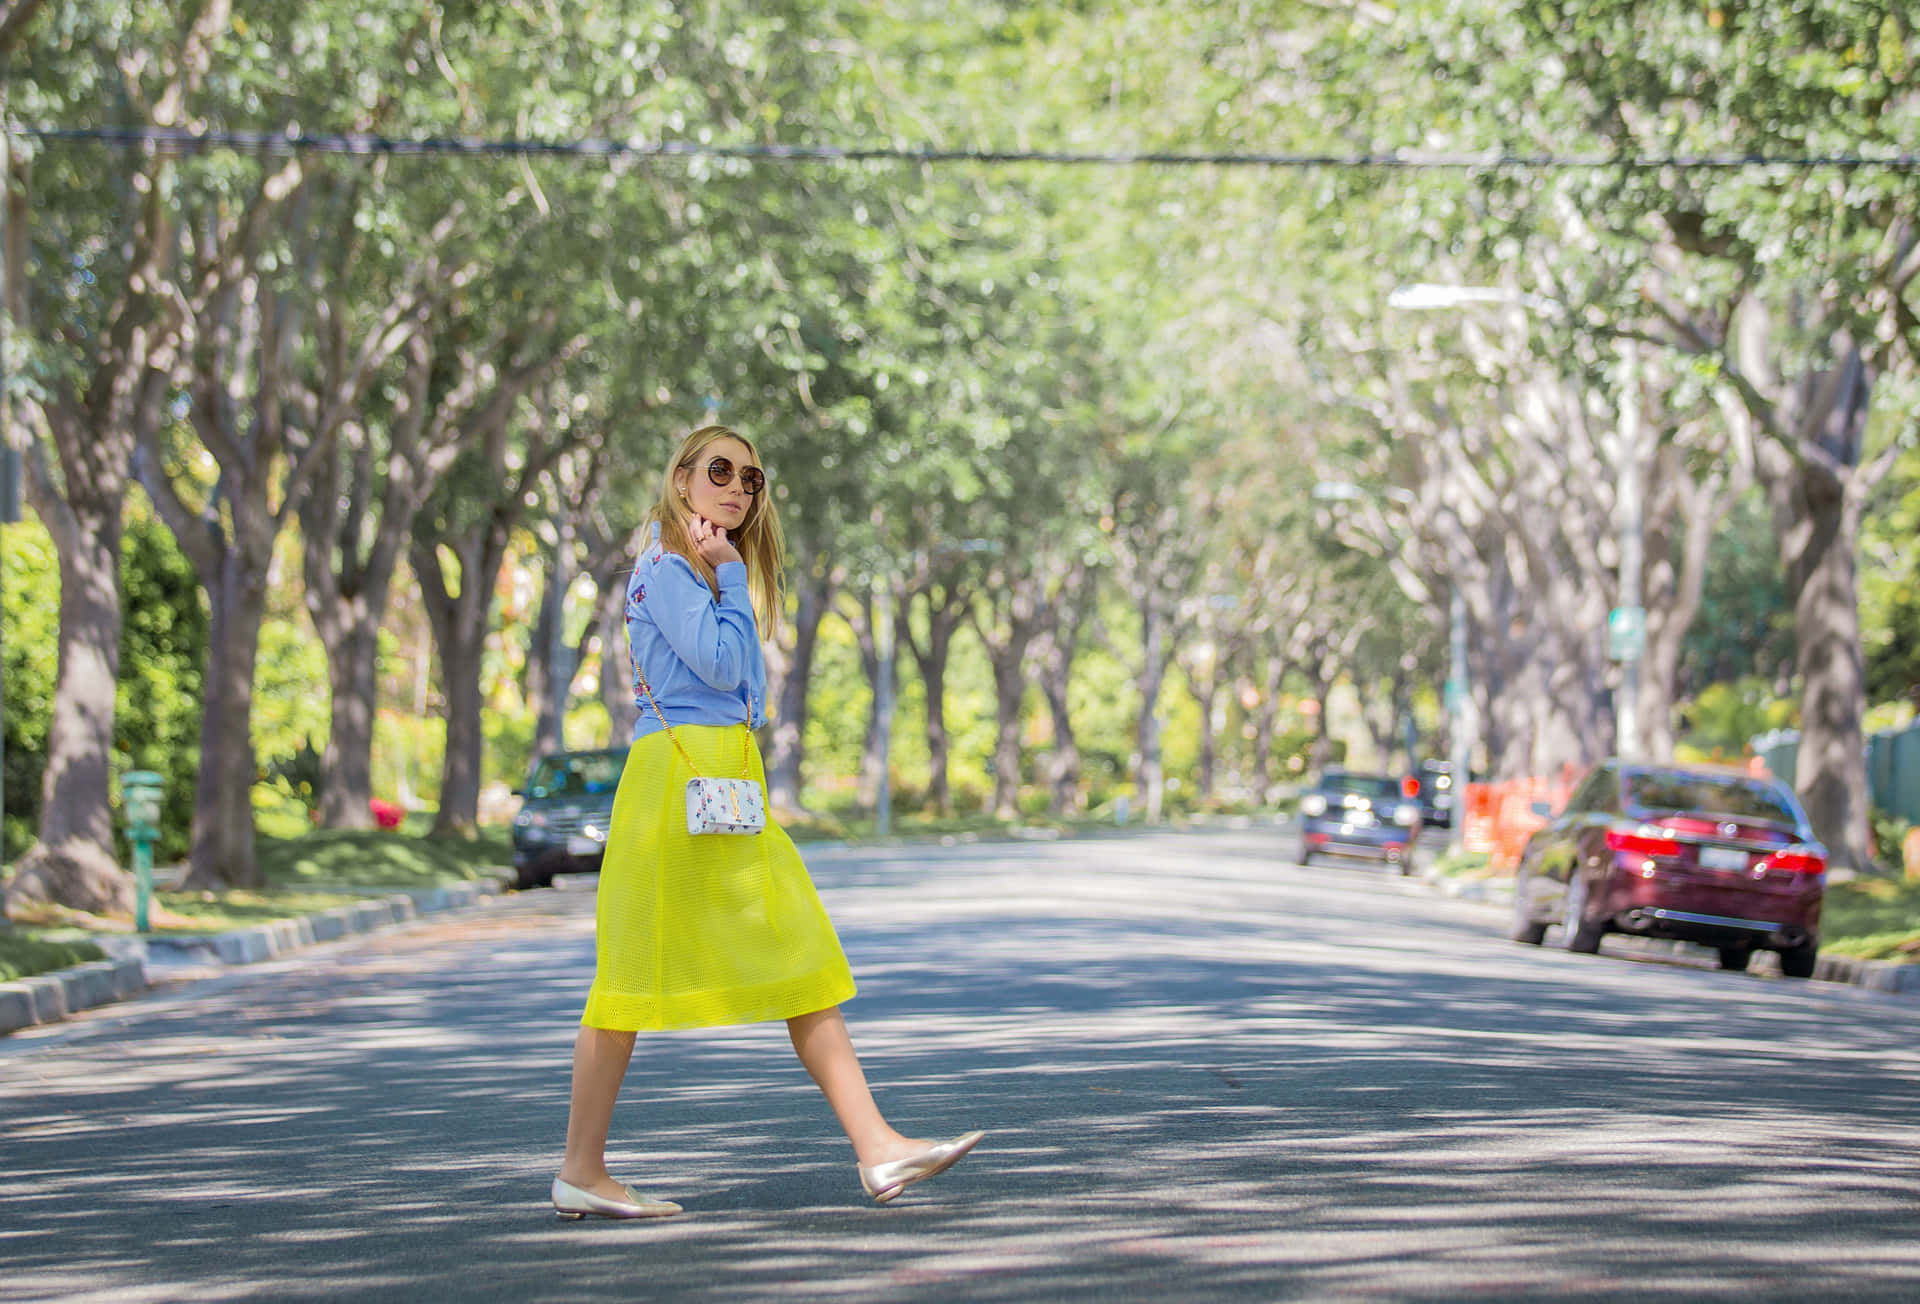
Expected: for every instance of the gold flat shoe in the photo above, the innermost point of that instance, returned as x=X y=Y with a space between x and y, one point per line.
x=569 y=1201
x=884 y=1181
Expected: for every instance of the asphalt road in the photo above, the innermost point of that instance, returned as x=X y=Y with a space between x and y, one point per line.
x=1206 y=1073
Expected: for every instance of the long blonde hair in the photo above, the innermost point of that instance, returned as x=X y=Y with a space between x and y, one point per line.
x=758 y=538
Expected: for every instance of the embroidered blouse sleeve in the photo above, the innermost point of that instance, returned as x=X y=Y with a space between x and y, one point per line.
x=718 y=640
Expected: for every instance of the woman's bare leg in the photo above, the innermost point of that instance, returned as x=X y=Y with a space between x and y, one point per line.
x=826 y=1049
x=600 y=1058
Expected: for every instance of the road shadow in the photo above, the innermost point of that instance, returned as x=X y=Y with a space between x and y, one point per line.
x=1200 y=1081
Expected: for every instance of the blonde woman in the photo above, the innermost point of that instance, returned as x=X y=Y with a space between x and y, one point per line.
x=697 y=931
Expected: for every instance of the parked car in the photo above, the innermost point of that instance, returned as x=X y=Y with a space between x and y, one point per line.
x=1364 y=815
x=566 y=808
x=1437 y=797
x=1695 y=853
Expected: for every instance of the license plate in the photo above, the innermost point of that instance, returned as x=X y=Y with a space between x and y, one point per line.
x=1722 y=858
x=580 y=845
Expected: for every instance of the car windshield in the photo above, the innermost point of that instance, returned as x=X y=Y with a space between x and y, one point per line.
x=575 y=776
x=1711 y=795
x=1359 y=785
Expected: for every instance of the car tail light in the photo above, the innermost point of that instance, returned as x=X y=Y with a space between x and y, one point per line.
x=1643 y=841
x=1798 y=860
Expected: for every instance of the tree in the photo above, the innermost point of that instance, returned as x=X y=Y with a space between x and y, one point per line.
x=1890 y=586
x=104 y=336
x=1795 y=291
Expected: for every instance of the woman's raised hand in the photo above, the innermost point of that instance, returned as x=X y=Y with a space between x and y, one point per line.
x=711 y=542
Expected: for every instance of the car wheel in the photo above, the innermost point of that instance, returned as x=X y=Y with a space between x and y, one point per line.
x=1735 y=958
x=1578 y=933
x=1799 y=962
x=1526 y=930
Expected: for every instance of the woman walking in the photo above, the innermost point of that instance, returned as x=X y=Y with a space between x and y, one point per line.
x=697 y=930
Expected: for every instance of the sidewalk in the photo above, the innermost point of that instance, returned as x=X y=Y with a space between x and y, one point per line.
x=135 y=964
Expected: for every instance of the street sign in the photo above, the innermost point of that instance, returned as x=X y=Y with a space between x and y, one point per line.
x=1627 y=633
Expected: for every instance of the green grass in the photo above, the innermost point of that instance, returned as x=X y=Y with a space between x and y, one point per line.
x=216 y=912
x=381 y=859
x=26 y=952
x=1461 y=863
x=1872 y=919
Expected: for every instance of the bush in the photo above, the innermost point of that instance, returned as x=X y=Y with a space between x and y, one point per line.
x=28 y=661
x=1460 y=863
x=1889 y=837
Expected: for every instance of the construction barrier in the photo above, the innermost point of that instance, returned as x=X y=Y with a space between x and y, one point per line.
x=1500 y=816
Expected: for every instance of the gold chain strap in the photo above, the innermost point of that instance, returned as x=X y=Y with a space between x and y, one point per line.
x=746 y=747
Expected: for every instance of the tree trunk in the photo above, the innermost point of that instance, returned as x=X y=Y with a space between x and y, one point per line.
x=459 y=622
x=1009 y=691
x=616 y=667
x=549 y=657
x=1007 y=623
x=222 y=853
x=350 y=630
x=1820 y=537
x=813 y=594
x=74 y=863
x=1150 y=780
x=1055 y=676
x=1265 y=723
x=933 y=678
x=947 y=607
x=1207 y=698
x=881 y=666
x=1320 y=755
x=1674 y=594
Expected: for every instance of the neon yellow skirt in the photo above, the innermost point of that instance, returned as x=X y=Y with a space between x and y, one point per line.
x=715 y=929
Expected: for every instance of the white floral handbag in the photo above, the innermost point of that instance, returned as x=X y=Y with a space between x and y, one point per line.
x=725 y=806
x=718 y=805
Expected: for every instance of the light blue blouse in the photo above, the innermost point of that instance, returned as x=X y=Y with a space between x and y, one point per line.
x=700 y=656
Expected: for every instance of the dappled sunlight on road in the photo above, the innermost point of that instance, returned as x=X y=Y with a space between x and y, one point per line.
x=1202 y=1073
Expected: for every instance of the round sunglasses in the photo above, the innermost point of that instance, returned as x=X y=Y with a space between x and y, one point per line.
x=721 y=472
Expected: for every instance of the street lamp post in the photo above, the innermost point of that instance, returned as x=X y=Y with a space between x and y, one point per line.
x=1627 y=623
x=1461 y=726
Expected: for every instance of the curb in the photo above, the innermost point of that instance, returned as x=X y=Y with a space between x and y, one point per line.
x=1874 y=975
x=136 y=961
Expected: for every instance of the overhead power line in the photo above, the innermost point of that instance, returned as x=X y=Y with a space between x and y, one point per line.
x=184 y=141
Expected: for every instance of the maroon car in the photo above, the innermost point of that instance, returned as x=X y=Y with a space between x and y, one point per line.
x=1696 y=853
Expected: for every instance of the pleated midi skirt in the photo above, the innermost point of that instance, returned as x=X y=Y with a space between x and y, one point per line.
x=701 y=931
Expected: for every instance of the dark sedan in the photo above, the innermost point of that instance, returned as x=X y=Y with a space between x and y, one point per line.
x=1437 y=797
x=1364 y=815
x=1692 y=853
x=566 y=807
